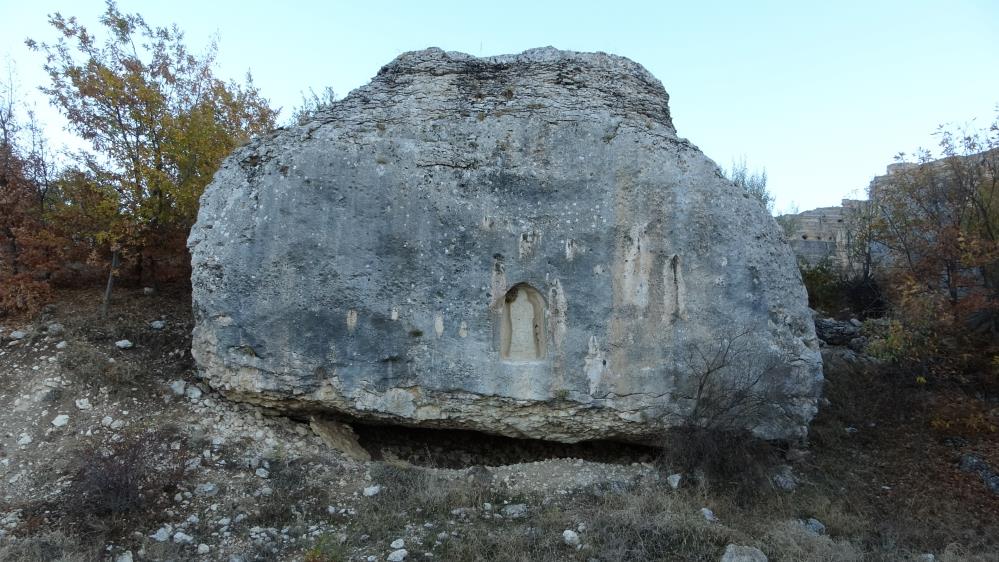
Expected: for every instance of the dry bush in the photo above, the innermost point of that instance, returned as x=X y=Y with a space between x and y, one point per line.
x=53 y=546
x=732 y=461
x=731 y=389
x=119 y=484
x=22 y=293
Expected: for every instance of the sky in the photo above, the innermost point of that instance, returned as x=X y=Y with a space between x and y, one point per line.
x=822 y=95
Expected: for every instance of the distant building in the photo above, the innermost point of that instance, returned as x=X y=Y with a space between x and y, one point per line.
x=821 y=235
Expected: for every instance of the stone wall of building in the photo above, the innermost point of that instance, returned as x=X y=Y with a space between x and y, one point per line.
x=821 y=234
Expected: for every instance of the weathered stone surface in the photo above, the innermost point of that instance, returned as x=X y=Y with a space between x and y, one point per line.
x=836 y=332
x=340 y=437
x=518 y=244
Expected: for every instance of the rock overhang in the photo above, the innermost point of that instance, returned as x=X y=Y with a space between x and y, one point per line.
x=368 y=263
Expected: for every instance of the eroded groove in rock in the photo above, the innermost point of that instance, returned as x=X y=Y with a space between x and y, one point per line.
x=518 y=244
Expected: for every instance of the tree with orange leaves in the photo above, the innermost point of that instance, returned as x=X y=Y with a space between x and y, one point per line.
x=158 y=122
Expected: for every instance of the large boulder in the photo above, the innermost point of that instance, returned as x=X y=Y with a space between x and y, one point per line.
x=519 y=244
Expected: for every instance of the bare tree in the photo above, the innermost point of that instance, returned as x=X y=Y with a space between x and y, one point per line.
x=732 y=386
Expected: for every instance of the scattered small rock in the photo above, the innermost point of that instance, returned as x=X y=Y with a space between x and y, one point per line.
x=55 y=329
x=18 y=334
x=24 y=439
x=737 y=553
x=83 y=404
x=398 y=555
x=709 y=515
x=207 y=489
x=975 y=464
x=262 y=472
x=835 y=332
x=162 y=535
x=124 y=344
x=178 y=387
x=784 y=479
x=63 y=345
x=814 y=526
x=60 y=420
x=157 y=324
x=515 y=510
x=148 y=291
x=674 y=480
x=193 y=392
x=124 y=557
x=571 y=538
x=397 y=544
x=372 y=491
x=181 y=537
x=204 y=548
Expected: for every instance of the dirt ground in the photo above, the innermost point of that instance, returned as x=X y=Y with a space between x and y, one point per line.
x=125 y=454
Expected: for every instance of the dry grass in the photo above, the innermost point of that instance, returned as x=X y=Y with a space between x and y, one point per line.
x=86 y=364
x=53 y=546
x=929 y=505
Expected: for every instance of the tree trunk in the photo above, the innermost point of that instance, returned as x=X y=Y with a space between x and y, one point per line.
x=107 y=290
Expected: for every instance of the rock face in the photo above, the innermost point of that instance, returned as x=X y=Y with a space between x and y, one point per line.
x=518 y=245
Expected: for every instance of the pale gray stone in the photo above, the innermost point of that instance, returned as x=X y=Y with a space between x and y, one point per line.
x=737 y=553
x=372 y=491
x=161 y=535
x=571 y=538
x=206 y=489
x=784 y=478
x=181 y=537
x=813 y=526
x=178 y=387
x=709 y=515
x=518 y=244
x=514 y=510
x=60 y=420
x=83 y=404
x=55 y=329
x=18 y=334
x=674 y=480
x=157 y=324
x=204 y=548
x=124 y=344
x=398 y=543
x=397 y=555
